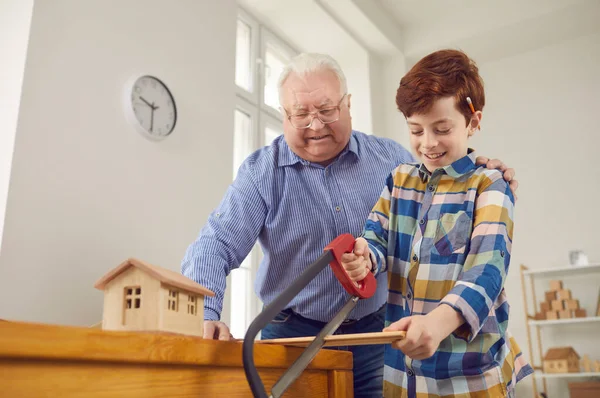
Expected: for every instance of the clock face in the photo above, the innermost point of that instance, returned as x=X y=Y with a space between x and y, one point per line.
x=152 y=107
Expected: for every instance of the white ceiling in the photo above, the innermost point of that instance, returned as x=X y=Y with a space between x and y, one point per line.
x=486 y=29
x=490 y=28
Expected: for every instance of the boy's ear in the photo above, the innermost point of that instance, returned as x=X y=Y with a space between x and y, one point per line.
x=474 y=122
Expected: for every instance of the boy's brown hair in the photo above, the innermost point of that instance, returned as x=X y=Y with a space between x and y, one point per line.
x=444 y=73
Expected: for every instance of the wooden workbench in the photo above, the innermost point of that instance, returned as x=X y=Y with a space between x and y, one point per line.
x=39 y=360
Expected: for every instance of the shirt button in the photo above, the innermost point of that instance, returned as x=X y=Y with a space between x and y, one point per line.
x=410 y=372
x=409 y=296
x=415 y=258
x=431 y=188
x=422 y=221
x=338 y=208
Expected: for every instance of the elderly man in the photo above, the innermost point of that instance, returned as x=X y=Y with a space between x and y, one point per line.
x=294 y=196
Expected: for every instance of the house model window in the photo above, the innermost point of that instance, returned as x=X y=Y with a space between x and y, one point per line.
x=133 y=297
x=173 y=303
x=192 y=305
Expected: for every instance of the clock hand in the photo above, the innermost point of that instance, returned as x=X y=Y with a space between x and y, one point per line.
x=152 y=120
x=147 y=103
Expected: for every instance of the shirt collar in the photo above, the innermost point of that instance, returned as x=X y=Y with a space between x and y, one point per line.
x=456 y=169
x=287 y=157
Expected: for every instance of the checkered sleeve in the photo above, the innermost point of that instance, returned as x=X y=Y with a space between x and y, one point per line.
x=488 y=256
x=377 y=227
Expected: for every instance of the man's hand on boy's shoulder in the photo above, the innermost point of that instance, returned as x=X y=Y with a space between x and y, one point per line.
x=507 y=173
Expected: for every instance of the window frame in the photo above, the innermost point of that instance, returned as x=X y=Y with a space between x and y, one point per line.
x=262 y=116
x=251 y=96
x=269 y=39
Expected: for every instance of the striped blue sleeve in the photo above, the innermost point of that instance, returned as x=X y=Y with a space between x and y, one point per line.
x=226 y=239
x=488 y=258
x=376 y=230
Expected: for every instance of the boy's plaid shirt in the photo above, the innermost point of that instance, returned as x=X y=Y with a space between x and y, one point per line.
x=445 y=238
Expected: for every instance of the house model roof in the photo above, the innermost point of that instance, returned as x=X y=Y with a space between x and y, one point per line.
x=162 y=274
x=559 y=353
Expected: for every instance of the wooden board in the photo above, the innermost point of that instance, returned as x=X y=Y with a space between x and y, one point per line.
x=341 y=339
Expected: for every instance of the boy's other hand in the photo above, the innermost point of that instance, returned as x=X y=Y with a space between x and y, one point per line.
x=358 y=263
x=421 y=340
x=507 y=173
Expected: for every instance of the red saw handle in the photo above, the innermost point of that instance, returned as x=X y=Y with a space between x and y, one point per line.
x=345 y=244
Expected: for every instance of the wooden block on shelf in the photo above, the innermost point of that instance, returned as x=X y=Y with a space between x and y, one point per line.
x=597 y=366
x=557 y=305
x=580 y=313
x=564 y=294
x=550 y=296
x=586 y=364
x=556 y=285
x=565 y=314
x=540 y=316
x=550 y=315
x=571 y=304
x=545 y=306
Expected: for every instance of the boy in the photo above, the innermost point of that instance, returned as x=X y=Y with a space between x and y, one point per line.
x=442 y=229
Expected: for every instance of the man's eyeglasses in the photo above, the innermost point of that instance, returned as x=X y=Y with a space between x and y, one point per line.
x=304 y=120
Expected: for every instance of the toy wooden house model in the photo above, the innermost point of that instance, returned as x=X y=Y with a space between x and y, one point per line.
x=561 y=360
x=144 y=297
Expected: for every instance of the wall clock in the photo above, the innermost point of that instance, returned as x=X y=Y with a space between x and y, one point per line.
x=150 y=107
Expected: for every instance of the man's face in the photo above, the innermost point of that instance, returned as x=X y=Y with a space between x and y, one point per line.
x=319 y=143
x=439 y=137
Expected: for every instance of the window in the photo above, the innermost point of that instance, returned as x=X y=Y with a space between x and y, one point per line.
x=133 y=297
x=243 y=55
x=270 y=132
x=192 y=305
x=260 y=58
x=274 y=63
x=173 y=302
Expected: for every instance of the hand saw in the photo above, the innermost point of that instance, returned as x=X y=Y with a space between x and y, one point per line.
x=363 y=289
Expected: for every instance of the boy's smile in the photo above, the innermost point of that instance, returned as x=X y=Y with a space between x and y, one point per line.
x=439 y=137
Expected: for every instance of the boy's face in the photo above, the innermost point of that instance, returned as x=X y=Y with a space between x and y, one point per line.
x=439 y=137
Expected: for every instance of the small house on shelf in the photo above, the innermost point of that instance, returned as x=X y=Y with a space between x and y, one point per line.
x=561 y=360
x=143 y=297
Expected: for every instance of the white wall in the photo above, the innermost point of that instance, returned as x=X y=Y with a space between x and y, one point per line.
x=541 y=118
x=393 y=123
x=87 y=191
x=15 y=20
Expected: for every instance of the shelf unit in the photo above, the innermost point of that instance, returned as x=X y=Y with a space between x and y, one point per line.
x=532 y=323
x=565 y=321
x=567 y=375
